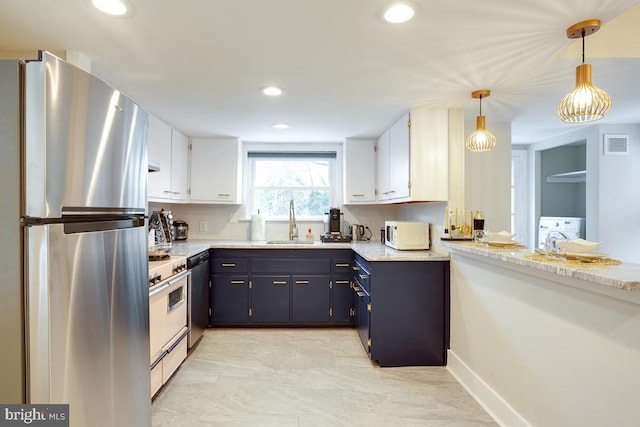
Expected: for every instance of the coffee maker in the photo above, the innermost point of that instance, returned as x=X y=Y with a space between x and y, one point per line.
x=333 y=227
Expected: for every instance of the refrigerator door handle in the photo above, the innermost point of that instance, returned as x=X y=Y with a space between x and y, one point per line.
x=86 y=226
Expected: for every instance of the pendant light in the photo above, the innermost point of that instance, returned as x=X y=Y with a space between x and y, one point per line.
x=585 y=103
x=481 y=139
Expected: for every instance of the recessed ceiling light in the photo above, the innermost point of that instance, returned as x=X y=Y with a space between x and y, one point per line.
x=110 y=7
x=280 y=126
x=398 y=13
x=272 y=90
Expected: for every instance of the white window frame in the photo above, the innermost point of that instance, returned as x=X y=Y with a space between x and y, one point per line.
x=335 y=170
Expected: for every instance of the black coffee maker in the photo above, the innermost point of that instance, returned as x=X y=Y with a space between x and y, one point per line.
x=333 y=227
x=335 y=221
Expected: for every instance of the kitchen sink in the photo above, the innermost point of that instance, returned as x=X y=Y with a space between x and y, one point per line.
x=290 y=242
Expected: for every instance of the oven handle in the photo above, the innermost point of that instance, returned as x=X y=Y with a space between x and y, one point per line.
x=178 y=277
x=158 y=289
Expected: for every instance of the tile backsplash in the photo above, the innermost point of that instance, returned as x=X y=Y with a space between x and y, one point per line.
x=223 y=222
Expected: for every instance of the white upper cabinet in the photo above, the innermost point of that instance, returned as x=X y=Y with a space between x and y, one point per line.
x=393 y=161
x=359 y=171
x=179 y=166
x=382 y=163
x=399 y=178
x=159 y=148
x=170 y=150
x=215 y=170
x=413 y=157
x=431 y=130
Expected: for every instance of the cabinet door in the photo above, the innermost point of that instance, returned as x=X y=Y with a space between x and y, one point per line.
x=159 y=148
x=399 y=173
x=311 y=299
x=270 y=299
x=229 y=299
x=359 y=171
x=362 y=317
x=214 y=170
x=383 y=166
x=179 y=165
x=341 y=300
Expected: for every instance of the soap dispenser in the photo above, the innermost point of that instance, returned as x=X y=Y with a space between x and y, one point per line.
x=309 y=234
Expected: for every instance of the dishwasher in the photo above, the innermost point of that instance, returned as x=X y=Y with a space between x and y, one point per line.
x=197 y=296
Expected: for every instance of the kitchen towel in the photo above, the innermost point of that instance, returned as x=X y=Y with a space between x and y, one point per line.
x=257 y=227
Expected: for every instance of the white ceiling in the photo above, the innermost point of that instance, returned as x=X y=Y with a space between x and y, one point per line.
x=198 y=64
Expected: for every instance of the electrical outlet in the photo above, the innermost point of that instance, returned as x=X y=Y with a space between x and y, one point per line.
x=204 y=226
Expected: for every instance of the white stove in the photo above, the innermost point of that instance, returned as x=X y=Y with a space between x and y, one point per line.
x=161 y=270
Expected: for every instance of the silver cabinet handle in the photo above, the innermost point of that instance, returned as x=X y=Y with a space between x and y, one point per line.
x=237 y=282
x=230 y=264
x=302 y=282
x=223 y=194
x=342 y=282
x=363 y=276
x=342 y=265
x=279 y=282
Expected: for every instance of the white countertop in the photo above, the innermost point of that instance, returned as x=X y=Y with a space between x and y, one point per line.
x=370 y=251
x=624 y=277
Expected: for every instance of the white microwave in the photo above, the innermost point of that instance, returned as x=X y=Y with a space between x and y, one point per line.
x=407 y=235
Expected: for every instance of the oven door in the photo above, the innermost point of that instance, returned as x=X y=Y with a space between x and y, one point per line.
x=176 y=306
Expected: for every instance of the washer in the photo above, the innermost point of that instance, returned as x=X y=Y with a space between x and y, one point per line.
x=565 y=227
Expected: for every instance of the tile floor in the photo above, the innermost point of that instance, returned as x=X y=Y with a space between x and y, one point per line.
x=306 y=377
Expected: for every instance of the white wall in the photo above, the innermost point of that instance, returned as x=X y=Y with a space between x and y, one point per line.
x=542 y=353
x=488 y=178
x=619 y=196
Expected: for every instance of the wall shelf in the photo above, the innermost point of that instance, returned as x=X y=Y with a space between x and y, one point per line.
x=568 y=177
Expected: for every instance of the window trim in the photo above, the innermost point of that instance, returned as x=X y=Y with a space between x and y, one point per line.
x=335 y=195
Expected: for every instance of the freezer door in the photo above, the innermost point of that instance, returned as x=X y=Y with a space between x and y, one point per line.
x=88 y=323
x=85 y=142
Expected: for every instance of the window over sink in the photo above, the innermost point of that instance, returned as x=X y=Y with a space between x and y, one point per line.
x=306 y=176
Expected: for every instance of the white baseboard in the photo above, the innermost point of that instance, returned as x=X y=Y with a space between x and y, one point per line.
x=498 y=408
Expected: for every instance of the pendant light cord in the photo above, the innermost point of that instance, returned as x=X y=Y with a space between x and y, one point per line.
x=583 y=46
x=480 y=104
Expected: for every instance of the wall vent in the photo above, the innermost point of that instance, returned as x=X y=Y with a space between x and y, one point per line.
x=616 y=145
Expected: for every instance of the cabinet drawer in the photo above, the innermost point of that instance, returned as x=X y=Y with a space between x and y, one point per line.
x=290 y=266
x=361 y=277
x=341 y=266
x=229 y=265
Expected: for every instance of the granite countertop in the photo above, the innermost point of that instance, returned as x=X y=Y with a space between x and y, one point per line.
x=625 y=276
x=370 y=251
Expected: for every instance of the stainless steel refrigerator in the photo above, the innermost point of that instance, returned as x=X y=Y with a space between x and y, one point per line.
x=74 y=306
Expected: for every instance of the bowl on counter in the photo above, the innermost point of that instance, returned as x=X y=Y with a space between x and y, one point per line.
x=502 y=236
x=578 y=246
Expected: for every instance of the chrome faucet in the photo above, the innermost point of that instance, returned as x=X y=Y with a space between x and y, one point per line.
x=293 y=228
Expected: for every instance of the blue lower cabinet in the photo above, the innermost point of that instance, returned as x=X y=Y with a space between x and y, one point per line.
x=283 y=287
x=270 y=299
x=229 y=299
x=408 y=311
x=311 y=302
x=341 y=306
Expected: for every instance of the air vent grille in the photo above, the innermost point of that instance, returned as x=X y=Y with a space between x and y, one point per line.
x=616 y=145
